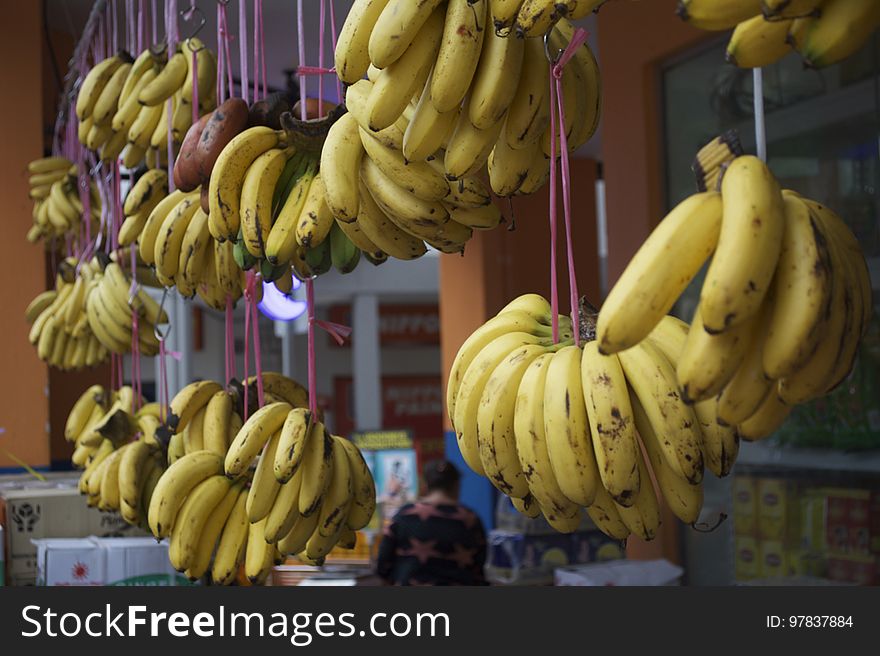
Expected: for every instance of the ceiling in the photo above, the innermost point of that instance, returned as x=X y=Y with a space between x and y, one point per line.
x=280 y=24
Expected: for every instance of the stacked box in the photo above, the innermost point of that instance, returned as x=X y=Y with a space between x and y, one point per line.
x=529 y=559
x=849 y=535
x=53 y=509
x=105 y=561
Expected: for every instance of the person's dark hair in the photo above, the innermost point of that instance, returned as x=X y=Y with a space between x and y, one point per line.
x=441 y=475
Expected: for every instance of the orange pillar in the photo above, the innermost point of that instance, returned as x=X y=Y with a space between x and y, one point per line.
x=501 y=264
x=23 y=383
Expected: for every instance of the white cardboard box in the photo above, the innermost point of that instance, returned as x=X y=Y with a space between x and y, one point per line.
x=104 y=561
x=51 y=509
x=620 y=572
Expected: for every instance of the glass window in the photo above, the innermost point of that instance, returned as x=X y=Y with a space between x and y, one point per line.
x=823 y=139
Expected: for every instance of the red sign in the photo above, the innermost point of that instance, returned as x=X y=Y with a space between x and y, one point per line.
x=399 y=325
x=411 y=402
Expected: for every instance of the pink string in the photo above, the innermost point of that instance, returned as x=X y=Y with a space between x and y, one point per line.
x=242 y=48
x=162 y=395
x=263 y=52
x=117 y=205
x=136 y=379
x=312 y=370
x=247 y=335
x=230 y=341
x=314 y=70
x=578 y=39
x=227 y=57
x=259 y=51
x=336 y=330
x=195 y=87
x=258 y=360
x=554 y=291
x=321 y=26
x=220 y=62
x=301 y=54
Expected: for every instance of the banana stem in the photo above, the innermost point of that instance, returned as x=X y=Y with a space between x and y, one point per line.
x=587 y=315
x=309 y=135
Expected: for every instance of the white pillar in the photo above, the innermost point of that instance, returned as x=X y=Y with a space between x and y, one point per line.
x=367 y=362
x=183 y=335
x=284 y=331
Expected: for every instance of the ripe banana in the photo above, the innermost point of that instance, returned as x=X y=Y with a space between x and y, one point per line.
x=651 y=376
x=659 y=272
x=611 y=425
x=754 y=221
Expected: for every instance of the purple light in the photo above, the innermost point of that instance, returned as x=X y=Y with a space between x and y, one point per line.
x=278 y=306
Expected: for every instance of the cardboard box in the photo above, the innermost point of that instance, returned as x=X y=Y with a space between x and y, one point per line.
x=105 y=561
x=848 y=523
x=517 y=559
x=745 y=505
x=772 y=559
x=54 y=509
x=69 y=562
x=777 y=508
x=620 y=572
x=809 y=532
x=746 y=559
x=858 y=569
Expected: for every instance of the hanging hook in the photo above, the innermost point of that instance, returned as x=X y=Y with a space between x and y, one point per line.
x=706 y=527
x=187 y=16
x=547 y=54
x=156 y=330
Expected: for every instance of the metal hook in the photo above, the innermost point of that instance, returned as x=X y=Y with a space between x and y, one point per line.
x=187 y=15
x=133 y=291
x=559 y=52
x=156 y=330
x=705 y=527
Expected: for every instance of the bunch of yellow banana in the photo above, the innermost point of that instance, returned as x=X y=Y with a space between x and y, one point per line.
x=126 y=106
x=823 y=32
x=534 y=18
x=446 y=95
x=170 y=233
x=220 y=513
x=269 y=209
x=559 y=427
x=785 y=303
x=89 y=315
x=117 y=449
x=58 y=210
x=310 y=490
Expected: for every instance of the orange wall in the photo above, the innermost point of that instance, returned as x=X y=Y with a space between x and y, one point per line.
x=634 y=39
x=23 y=378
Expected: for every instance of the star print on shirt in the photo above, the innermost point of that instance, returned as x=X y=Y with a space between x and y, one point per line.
x=421 y=550
x=464 y=515
x=423 y=511
x=461 y=556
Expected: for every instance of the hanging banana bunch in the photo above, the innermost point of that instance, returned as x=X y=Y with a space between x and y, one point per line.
x=822 y=32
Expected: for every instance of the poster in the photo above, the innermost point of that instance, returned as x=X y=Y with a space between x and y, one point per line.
x=397 y=479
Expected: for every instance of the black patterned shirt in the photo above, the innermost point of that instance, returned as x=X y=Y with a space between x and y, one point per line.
x=433 y=544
